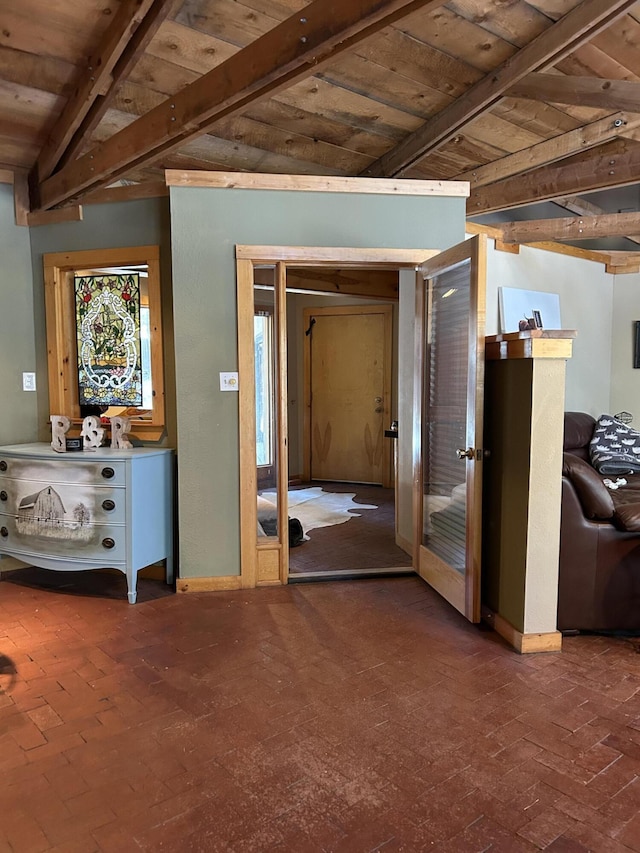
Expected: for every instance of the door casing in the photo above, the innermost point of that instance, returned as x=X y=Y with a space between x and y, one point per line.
x=264 y=564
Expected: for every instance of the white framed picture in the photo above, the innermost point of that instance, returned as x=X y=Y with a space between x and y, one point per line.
x=528 y=309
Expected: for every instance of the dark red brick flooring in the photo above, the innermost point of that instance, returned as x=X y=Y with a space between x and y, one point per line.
x=346 y=717
x=364 y=542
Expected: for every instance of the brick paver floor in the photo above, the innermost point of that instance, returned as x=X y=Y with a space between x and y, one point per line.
x=346 y=716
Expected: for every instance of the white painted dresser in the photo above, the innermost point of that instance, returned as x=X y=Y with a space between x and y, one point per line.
x=87 y=510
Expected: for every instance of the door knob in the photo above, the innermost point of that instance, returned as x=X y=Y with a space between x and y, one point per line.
x=378 y=409
x=465 y=454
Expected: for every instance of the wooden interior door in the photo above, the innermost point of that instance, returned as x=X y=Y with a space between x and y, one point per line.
x=348 y=397
x=449 y=390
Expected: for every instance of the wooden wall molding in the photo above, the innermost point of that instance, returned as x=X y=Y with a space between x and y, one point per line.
x=616 y=263
x=314 y=183
x=533 y=343
x=523 y=643
x=217 y=584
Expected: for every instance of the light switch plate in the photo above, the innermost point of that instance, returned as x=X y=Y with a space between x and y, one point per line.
x=28 y=382
x=229 y=381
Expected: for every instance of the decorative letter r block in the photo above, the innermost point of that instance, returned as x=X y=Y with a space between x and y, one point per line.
x=119 y=430
x=59 y=426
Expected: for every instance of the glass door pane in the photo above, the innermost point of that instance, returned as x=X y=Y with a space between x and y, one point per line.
x=445 y=416
x=263 y=352
x=266 y=371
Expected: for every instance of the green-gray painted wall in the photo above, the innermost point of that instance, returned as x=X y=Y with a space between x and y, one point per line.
x=17 y=329
x=507 y=429
x=206 y=225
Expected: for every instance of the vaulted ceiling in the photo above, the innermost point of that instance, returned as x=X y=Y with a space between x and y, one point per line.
x=529 y=100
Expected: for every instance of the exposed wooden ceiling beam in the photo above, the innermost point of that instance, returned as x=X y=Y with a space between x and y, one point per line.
x=580 y=25
x=570 y=228
x=618 y=263
x=368 y=284
x=94 y=80
x=294 y=49
x=149 y=189
x=586 y=208
x=159 y=12
x=614 y=164
x=579 y=91
x=578 y=205
x=53 y=217
x=552 y=150
x=21 y=196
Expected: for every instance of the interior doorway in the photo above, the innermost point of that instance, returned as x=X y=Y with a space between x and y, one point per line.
x=347 y=498
x=265 y=559
x=341 y=389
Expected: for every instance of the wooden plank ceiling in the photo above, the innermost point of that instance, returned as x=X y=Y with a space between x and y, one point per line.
x=528 y=100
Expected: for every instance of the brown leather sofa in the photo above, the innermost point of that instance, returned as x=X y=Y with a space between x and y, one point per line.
x=599 y=583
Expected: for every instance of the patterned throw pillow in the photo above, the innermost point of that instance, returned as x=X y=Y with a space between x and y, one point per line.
x=615 y=447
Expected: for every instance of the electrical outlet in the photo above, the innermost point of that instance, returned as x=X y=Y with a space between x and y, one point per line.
x=28 y=382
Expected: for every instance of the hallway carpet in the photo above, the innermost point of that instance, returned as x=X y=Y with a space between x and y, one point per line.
x=346 y=717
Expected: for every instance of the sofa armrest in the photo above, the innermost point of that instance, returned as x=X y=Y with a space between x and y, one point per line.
x=627 y=517
x=595 y=498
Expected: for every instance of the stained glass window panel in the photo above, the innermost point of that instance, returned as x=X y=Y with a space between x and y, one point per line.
x=108 y=338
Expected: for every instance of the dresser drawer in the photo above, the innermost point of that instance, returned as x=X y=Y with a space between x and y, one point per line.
x=63 y=502
x=73 y=468
x=59 y=538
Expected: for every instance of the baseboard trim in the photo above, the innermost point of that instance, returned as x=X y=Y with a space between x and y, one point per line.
x=523 y=643
x=226 y=582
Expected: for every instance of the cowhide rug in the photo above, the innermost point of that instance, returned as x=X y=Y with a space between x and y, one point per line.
x=317 y=508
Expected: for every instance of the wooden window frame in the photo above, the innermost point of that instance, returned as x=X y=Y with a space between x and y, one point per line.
x=61 y=330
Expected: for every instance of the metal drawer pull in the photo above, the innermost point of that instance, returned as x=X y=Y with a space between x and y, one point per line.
x=108 y=543
x=4 y=532
x=108 y=473
x=3 y=495
x=108 y=505
x=3 y=465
